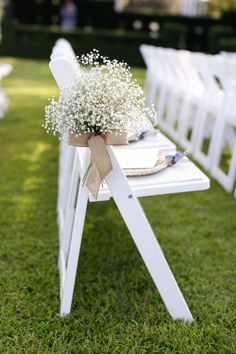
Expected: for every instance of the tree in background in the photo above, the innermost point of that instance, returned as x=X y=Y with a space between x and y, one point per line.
x=217 y=7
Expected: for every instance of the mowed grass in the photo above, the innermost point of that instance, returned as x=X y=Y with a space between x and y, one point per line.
x=116 y=308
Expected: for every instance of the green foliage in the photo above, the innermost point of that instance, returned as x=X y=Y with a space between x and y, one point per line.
x=116 y=307
x=228 y=44
x=216 y=34
x=174 y=35
x=217 y=7
x=36 y=41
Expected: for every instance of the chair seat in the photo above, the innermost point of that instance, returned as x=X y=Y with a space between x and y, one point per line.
x=183 y=177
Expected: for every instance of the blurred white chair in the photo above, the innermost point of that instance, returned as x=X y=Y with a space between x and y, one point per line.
x=226 y=176
x=150 y=62
x=224 y=133
x=184 y=99
x=208 y=110
x=5 y=70
x=157 y=77
x=177 y=90
x=159 y=80
x=191 y=99
x=196 y=93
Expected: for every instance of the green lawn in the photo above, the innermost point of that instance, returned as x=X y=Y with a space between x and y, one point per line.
x=116 y=308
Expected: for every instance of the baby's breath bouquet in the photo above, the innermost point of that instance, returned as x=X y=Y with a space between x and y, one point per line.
x=104 y=106
x=104 y=98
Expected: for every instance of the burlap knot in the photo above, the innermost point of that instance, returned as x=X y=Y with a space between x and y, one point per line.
x=100 y=160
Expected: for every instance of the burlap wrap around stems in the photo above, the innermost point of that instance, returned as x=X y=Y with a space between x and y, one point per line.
x=100 y=160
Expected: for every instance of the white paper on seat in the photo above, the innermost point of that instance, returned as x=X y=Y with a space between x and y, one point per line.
x=182 y=177
x=140 y=158
x=183 y=171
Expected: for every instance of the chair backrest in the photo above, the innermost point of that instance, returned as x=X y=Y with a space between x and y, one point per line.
x=190 y=71
x=203 y=62
x=63 y=46
x=225 y=70
x=224 y=135
x=64 y=70
x=157 y=74
x=165 y=60
x=228 y=55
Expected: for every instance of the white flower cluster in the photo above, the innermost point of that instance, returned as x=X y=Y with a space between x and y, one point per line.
x=103 y=98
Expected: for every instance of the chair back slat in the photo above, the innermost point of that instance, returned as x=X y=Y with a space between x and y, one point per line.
x=64 y=71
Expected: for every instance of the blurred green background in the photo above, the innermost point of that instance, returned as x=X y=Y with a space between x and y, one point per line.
x=30 y=28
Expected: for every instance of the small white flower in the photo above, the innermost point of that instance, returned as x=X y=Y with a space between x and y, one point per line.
x=104 y=98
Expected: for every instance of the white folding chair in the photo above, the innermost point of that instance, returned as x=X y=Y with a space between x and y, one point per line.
x=5 y=70
x=156 y=75
x=166 y=97
x=208 y=110
x=227 y=120
x=224 y=133
x=146 y=52
x=173 y=78
x=177 y=90
x=185 y=92
x=182 y=178
x=159 y=80
x=192 y=97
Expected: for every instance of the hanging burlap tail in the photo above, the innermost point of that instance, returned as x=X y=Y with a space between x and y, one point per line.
x=100 y=160
x=100 y=164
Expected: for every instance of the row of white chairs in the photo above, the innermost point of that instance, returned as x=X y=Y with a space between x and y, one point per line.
x=5 y=70
x=73 y=197
x=195 y=98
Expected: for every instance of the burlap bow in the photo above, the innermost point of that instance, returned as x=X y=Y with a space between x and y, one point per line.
x=100 y=160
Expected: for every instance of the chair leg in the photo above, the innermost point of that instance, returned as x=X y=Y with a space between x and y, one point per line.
x=74 y=250
x=146 y=242
x=70 y=207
